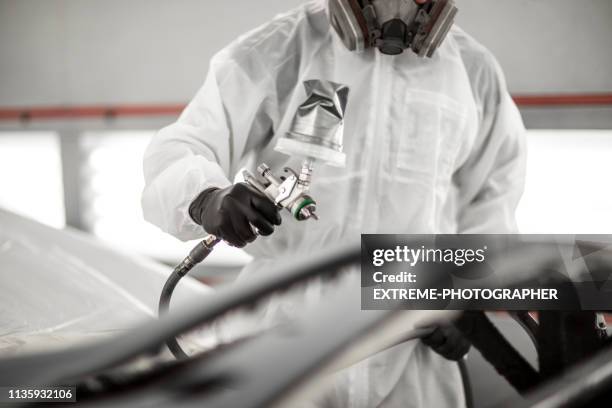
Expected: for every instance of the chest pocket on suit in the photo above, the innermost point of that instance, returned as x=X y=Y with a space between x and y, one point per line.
x=426 y=144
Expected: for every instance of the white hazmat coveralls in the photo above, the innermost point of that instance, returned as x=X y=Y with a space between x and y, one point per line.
x=433 y=146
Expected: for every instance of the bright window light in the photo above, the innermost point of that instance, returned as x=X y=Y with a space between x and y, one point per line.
x=112 y=197
x=568 y=183
x=31 y=176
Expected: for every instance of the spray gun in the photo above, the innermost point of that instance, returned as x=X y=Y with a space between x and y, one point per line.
x=316 y=134
x=289 y=192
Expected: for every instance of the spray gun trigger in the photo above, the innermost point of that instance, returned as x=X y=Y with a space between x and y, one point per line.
x=286 y=189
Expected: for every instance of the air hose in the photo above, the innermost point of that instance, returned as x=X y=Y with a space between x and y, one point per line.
x=197 y=255
x=290 y=193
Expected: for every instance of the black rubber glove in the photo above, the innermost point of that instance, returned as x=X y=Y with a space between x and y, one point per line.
x=228 y=213
x=449 y=342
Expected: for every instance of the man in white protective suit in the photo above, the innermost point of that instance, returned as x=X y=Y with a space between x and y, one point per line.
x=434 y=144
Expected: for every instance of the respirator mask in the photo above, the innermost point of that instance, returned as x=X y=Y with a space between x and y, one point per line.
x=392 y=25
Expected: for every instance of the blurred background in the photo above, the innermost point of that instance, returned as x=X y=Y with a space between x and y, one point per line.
x=85 y=84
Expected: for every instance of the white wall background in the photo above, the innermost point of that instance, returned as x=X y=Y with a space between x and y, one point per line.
x=116 y=51
x=544 y=46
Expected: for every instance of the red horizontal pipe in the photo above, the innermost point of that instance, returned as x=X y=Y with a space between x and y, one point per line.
x=563 y=100
x=77 y=112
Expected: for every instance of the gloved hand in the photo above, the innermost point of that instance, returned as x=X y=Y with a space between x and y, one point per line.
x=448 y=341
x=228 y=213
